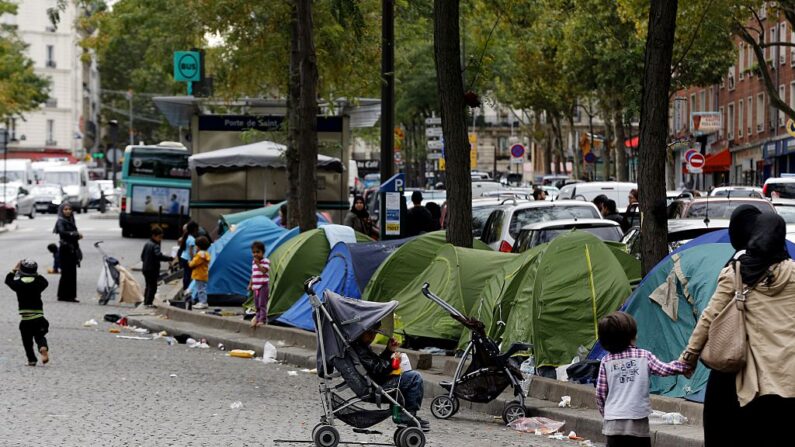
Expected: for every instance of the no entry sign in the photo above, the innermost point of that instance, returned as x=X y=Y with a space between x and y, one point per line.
x=696 y=163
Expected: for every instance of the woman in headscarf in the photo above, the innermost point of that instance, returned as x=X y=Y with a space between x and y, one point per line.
x=69 y=253
x=358 y=218
x=763 y=392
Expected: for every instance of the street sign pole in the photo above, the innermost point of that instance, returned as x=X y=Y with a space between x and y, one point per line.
x=387 y=87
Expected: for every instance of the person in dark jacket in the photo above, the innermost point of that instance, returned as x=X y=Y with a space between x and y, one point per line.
x=610 y=212
x=379 y=369
x=151 y=257
x=358 y=218
x=436 y=216
x=418 y=218
x=69 y=254
x=28 y=285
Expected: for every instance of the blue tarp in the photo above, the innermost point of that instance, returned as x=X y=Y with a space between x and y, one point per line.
x=347 y=271
x=230 y=255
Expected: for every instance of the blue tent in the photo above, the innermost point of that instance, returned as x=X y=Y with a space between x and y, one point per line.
x=347 y=271
x=669 y=301
x=230 y=255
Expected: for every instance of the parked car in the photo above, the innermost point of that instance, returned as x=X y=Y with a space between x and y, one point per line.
x=680 y=231
x=719 y=208
x=372 y=181
x=480 y=187
x=16 y=196
x=428 y=195
x=556 y=180
x=48 y=197
x=737 y=191
x=504 y=224
x=618 y=191
x=543 y=232
x=779 y=187
x=786 y=209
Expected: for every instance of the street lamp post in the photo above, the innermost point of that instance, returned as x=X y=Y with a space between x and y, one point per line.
x=114 y=136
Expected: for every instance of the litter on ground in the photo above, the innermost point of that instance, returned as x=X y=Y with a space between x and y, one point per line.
x=662 y=418
x=242 y=353
x=235 y=405
x=90 y=323
x=269 y=353
x=292 y=373
x=132 y=337
x=565 y=402
x=537 y=425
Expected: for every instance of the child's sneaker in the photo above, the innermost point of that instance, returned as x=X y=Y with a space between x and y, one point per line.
x=200 y=306
x=32 y=363
x=45 y=354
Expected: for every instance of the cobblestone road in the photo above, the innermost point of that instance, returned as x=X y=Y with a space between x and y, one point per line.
x=100 y=390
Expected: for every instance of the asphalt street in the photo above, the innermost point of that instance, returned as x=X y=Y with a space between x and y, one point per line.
x=101 y=390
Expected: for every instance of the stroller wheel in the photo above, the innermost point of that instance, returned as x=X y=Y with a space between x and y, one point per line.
x=325 y=436
x=442 y=407
x=411 y=437
x=396 y=436
x=513 y=411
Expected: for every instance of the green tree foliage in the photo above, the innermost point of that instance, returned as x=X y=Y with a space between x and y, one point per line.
x=21 y=89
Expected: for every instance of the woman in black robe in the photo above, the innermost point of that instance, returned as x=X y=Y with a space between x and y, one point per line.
x=69 y=253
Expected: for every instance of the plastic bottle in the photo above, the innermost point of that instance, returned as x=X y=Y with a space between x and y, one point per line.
x=528 y=369
x=674 y=419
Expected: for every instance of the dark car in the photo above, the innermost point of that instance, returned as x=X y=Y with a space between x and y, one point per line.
x=719 y=208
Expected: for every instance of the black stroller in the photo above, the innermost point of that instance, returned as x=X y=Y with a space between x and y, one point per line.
x=489 y=373
x=108 y=283
x=339 y=322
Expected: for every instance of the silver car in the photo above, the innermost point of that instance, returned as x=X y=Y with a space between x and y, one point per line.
x=13 y=194
x=48 y=197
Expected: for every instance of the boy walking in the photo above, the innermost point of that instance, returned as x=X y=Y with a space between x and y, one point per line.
x=28 y=285
x=151 y=256
x=260 y=282
x=200 y=271
x=622 y=389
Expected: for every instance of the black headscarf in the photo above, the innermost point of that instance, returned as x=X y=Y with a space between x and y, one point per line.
x=741 y=225
x=766 y=247
x=363 y=214
x=65 y=223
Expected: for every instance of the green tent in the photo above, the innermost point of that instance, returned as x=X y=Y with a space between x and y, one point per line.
x=565 y=287
x=293 y=263
x=629 y=263
x=405 y=264
x=455 y=274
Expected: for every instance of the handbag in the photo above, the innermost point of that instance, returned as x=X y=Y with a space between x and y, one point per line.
x=726 y=346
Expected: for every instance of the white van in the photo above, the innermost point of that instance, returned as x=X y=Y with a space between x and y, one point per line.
x=618 y=191
x=16 y=171
x=74 y=180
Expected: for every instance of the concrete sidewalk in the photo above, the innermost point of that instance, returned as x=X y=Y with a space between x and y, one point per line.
x=297 y=347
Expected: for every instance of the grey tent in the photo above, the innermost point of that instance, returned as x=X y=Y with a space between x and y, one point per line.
x=264 y=154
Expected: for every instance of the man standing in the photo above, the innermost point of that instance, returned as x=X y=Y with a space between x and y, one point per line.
x=419 y=218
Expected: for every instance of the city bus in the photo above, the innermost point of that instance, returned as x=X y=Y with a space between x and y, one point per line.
x=156 y=188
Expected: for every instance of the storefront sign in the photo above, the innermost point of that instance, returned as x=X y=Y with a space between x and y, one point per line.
x=263 y=123
x=702 y=123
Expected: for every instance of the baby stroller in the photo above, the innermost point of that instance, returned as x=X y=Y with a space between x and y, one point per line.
x=108 y=282
x=339 y=322
x=487 y=375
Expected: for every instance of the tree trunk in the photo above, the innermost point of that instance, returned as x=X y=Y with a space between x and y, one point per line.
x=291 y=155
x=607 y=145
x=447 y=54
x=654 y=131
x=560 y=153
x=307 y=117
x=621 y=149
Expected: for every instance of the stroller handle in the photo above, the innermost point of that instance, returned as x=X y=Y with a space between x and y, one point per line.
x=455 y=313
x=309 y=285
x=97 y=243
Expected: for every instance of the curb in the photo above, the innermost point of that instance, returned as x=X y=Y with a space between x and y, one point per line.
x=544 y=393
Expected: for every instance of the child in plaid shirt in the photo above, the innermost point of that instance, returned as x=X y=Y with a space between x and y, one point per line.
x=622 y=389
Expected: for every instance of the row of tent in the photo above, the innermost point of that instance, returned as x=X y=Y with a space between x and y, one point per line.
x=550 y=296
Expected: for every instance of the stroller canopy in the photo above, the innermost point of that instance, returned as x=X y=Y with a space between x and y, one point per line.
x=562 y=291
x=457 y=275
x=347 y=271
x=352 y=317
x=230 y=255
x=405 y=264
x=299 y=258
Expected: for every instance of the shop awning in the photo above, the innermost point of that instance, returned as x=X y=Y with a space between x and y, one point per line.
x=718 y=162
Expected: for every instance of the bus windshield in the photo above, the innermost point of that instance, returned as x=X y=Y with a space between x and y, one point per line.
x=152 y=162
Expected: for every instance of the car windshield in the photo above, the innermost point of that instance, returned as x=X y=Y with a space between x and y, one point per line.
x=527 y=216
x=722 y=209
x=787 y=212
x=11 y=176
x=62 y=178
x=737 y=193
x=782 y=190
x=46 y=190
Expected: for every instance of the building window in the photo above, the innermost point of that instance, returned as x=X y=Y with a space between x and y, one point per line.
x=702 y=101
x=749 y=115
x=740 y=110
x=50 y=133
x=51 y=103
x=693 y=105
x=722 y=130
x=782 y=36
x=731 y=78
x=51 y=56
x=730 y=123
x=791 y=95
x=741 y=65
x=760 y=112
